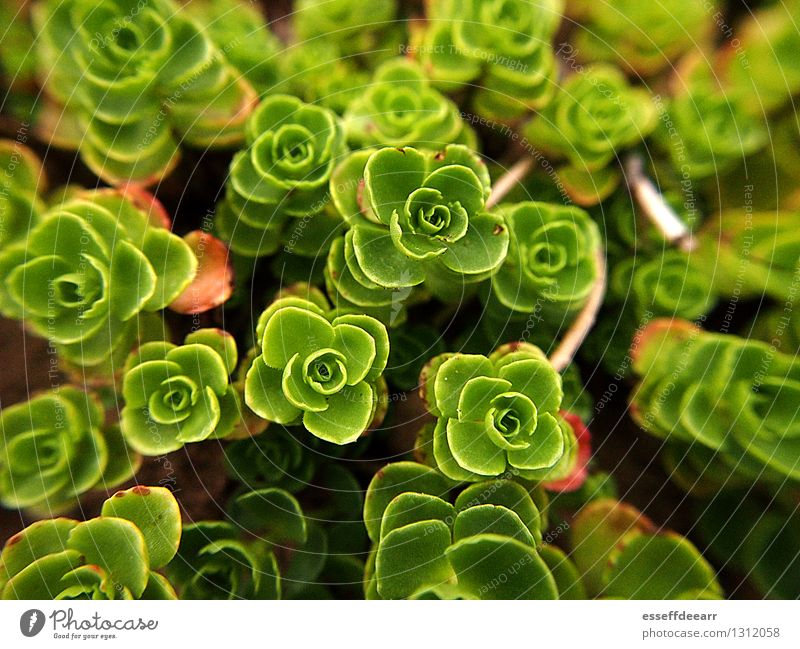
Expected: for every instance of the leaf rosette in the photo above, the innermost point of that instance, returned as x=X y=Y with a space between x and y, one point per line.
x=486 y=545
x=670 y=285
x=498 y=414
x=239 y=558
x=551 y=265
x=175 y=394
x=594 y=116
x=736 y=397
x=502 y=48
x=400 y=108
x=355 y=27
x=414 y=218
x=317 y=368
x=53 y=450
x=113 y=556
x=645 y=36
x=136 y=79
x=276 y=458
x=283 y=173
x=88 y=269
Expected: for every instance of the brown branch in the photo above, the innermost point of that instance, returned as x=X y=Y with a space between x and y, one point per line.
x=585 y=320
x=655 y=208
x=508 y=180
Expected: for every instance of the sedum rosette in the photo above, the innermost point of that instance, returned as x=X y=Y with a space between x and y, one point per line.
x=501 y=48
x=113 y=556
x=400 y=108
x=552 y=262
x=737 y=397
x=53 y=449
x=498 y=414
x=317 y=368
x=594 y=116
x=175 y=395
x=88 y=269
x=424 y=547
x=134 y=80
x=415 y=218
x=281 y=175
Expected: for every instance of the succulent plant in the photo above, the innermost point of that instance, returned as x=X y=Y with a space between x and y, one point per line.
x=734 y=396
x=355 y=27
x=498 y=415
x=175 y=395
x=551 y=266
x=411 y=347
x=278 y=458
x=672 y=284
x=319 y=73
x=751 y=254
x=53 y=449
x=500 y=48
x=593 y=118
x=487 y=545
x=282 y=175
x=760 y=67
x=400 y=108
x=113 y=556
x=21 y=184
x=134 y=82
x=318 y=368
x=708 y=132
x=414 y=218
x=620 y=555
x=645 y=36
x=70 y=278
x=236 y=559
x=239 y=31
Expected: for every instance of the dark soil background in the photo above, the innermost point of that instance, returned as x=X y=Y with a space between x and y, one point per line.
x=196 y=474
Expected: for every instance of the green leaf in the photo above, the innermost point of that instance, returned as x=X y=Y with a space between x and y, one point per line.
x=271 y=514
x=155 y=512
x=497 y=567
x=411 y=558
x=116 y=546
x=347 y=417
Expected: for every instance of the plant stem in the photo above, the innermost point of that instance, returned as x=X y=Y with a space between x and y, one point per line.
x=585 y=320
x=655 y=208
x=508 y=180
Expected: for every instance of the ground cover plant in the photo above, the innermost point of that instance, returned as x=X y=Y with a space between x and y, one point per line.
x=453 y=299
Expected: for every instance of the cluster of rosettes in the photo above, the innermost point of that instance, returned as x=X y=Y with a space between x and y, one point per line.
x=133 y=81
x=89 y=268
x=180 y=394
x=593 y=117
x=736 y=397
x=415 y=218
x=54 y=448
x=282 y=175
x=498 y=415
x=552 y=263
x=318 y=367
x=400 y=108
x=501 y=49
x=113 y=556
x=424 y=547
